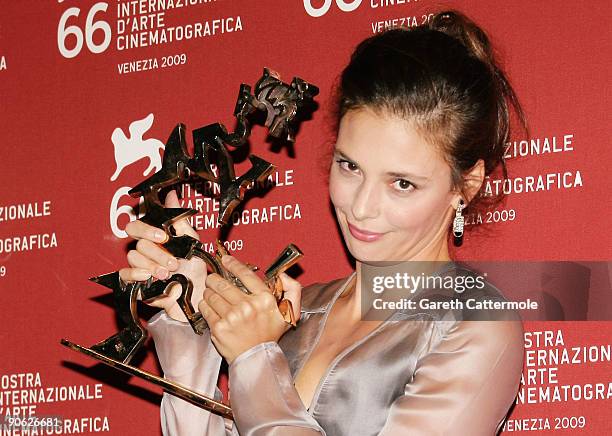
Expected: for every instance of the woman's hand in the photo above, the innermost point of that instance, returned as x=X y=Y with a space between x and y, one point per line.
x=239 y=321
x=151 y=259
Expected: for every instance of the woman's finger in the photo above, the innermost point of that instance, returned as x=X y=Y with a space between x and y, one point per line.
x=139 y=230
x=134 y=274
x=216 y=301
x=157 y=254
x=181 y=227
x=138 y=260
x=245 y=274
x=223 y=287
x=208 y=313
x=293 y=293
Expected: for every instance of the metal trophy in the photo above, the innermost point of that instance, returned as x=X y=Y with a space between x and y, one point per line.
x=280 y=103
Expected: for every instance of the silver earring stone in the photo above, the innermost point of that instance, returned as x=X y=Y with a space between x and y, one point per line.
x=458 y=224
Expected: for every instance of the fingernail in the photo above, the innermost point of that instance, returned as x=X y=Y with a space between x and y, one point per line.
x=160 y=236
x=172 y=263
x=227 y=259
x=143 y=275
x=161 y=273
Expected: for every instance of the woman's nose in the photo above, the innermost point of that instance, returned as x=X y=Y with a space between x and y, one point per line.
x=366 y=203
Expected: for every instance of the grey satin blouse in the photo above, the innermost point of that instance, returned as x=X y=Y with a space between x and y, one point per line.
x=412 y=375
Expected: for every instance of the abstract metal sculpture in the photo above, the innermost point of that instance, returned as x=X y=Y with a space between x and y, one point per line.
x=281 y=104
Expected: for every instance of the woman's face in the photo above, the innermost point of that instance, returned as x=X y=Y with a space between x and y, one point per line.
x=391 y=190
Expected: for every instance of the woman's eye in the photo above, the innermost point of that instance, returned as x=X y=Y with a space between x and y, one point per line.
x=347 y=165
x=403 y=185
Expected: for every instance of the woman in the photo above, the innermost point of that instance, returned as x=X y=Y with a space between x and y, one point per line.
x=423 y=118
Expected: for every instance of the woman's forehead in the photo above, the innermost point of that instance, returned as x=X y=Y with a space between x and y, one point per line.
x=382 y=140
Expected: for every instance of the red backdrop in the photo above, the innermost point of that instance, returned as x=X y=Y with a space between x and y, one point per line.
x=75 y=75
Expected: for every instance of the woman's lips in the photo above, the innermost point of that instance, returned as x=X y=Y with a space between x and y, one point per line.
x=363 y=235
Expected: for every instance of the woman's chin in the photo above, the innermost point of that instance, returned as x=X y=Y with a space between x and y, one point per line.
x=366 y=252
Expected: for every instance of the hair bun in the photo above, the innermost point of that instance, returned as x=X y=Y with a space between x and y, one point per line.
x=458 y=26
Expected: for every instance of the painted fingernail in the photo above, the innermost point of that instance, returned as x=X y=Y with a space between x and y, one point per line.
x=172 y=263
x=161 y=273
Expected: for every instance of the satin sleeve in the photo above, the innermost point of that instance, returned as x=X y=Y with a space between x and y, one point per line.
x=263 y=397
x=192 y=361
x=464 y=385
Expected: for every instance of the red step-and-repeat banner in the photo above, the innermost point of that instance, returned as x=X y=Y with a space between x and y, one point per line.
x=90 y=91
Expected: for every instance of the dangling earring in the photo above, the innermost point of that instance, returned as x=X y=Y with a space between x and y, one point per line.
x=458 y=223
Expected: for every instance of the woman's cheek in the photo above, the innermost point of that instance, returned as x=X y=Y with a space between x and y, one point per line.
x=420 y=215
x=408 y=214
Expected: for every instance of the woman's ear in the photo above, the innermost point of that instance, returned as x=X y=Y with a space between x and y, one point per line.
x=473 y=179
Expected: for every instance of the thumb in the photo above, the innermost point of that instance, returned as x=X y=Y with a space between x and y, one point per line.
x=172 y=200
x=293 y=293
x=181 y=227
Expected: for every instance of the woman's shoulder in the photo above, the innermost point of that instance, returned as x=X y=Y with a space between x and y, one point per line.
x=480 y=300
x=490 y=334
x=482 y=315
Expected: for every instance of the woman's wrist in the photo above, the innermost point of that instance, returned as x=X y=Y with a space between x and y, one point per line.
x=176 y=313
x=251 y=351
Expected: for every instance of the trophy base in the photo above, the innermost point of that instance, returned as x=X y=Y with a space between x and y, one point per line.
x=169 y=386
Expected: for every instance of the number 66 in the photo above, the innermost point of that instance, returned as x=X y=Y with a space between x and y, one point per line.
x=90 y=28
x=345 y=6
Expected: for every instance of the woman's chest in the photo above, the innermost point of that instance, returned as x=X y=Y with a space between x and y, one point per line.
x=336 y=339
x=360 y=372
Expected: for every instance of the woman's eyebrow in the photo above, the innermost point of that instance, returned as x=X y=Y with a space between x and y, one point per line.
x=399 y=175
x=409 y=176
x=342 y=155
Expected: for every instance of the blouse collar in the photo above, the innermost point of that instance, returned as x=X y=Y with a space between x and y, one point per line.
x=319 y=297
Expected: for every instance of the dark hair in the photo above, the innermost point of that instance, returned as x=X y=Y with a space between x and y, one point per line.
x=443 y=78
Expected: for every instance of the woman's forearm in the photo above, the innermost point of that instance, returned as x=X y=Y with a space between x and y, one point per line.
x=192 y=361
